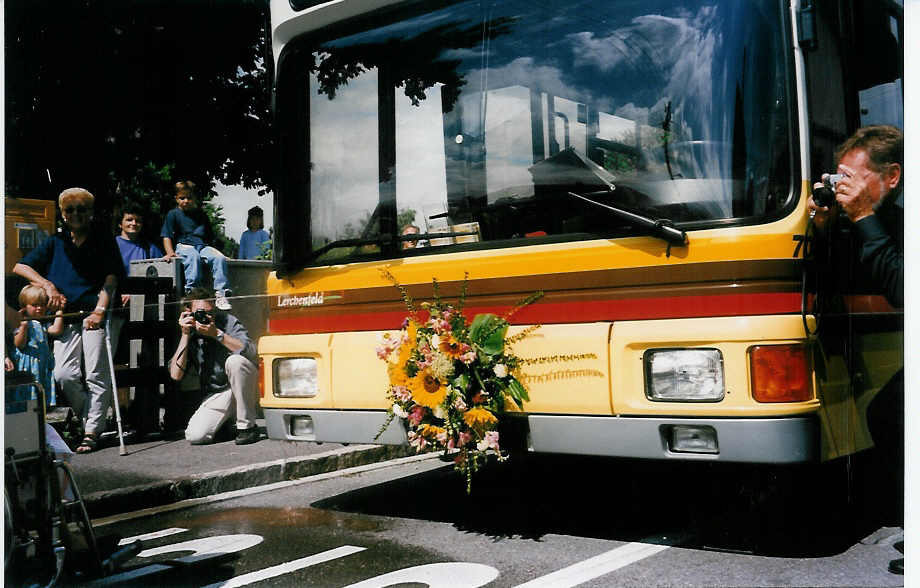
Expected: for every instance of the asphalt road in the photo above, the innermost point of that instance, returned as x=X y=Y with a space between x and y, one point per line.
x=534 y=522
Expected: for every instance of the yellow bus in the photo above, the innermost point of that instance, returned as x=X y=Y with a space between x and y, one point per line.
x=644 y=164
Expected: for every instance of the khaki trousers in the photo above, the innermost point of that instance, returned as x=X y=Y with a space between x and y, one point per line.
x=81 y=368
x=217 y=407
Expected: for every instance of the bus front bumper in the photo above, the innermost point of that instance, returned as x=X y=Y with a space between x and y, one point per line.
x=749 y=440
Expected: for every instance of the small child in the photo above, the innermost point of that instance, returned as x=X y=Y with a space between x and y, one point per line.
x=187 y=234
x=31 y=346
x=251 y=240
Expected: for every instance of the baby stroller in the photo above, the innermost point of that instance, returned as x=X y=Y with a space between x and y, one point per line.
x=47 y=530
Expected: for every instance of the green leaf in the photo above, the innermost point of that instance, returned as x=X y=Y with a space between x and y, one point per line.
x=487 y=332
x=462 y=382
x=517 y=392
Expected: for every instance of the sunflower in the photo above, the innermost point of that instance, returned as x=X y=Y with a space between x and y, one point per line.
x=397 y=371
x=479 y=418
x=412 y=331
x=451 y=347
x=397 y=374
x=427 y=390
x=430 y=431
x=405 y=352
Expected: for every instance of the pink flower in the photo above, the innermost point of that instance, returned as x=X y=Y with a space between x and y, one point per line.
x=427 y=355
x=489 y=441
x=439 y=325
x=416 y=415
x=463 y=439
x=459 y=404
x=468 y=357
x=402 y=394
x=417 y=441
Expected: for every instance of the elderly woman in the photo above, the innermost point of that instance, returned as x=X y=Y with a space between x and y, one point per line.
x=79 y=269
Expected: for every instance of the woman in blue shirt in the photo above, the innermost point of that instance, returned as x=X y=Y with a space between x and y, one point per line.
x=79 y=269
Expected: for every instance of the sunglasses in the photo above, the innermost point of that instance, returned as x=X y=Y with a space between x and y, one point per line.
x=79 y=209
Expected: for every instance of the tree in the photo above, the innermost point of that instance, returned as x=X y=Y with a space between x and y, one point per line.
x=109 y=93
x=153 y=188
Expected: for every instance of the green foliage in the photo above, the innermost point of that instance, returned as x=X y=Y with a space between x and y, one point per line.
x=265 y=249
x=364 y=230
x=517 y=392
x=151 y=186
x=620 y=163
x=487 y=332
x=405 y=217
x=96 y=89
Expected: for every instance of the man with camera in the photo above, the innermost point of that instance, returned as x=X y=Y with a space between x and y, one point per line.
x=868 y=189
x=216 y=345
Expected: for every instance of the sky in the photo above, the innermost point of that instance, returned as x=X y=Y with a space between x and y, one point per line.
x=236 y=202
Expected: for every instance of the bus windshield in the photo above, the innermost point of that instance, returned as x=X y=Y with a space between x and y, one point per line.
x=472 y=125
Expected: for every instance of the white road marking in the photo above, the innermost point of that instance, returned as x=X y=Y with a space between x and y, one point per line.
x=287 y=567
x=154 y=535
x=596 y=566
x=206 y=547
x=454 y=574
x=259 y=489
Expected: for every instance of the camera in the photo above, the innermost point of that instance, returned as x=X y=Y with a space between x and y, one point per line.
x=201 y=316
x=824 y=196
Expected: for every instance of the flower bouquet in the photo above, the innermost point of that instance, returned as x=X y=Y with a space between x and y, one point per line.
x=451 y=380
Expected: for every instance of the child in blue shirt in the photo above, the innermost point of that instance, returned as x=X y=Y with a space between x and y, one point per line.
x=252 y=239
x=31 y=344
x=187 y=234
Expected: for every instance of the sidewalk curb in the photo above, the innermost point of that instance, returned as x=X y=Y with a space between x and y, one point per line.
x=111 y=502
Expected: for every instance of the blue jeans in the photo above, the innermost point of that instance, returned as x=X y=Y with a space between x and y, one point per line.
x=191 y=262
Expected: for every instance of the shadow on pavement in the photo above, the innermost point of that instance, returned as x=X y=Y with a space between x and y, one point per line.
x=778 y=511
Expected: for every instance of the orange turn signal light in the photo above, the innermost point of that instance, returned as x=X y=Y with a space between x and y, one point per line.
x=261 y=378
x=781 y=373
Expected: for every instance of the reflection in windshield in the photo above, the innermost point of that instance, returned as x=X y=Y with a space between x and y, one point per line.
x=474 y=121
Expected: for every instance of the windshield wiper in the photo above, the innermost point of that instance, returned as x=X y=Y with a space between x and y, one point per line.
x=317 y=253
x=661 y=228
x=430 y=236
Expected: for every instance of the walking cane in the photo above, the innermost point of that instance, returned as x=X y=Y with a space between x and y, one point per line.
x=108 y=348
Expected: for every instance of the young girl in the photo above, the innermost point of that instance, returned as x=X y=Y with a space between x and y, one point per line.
x=252 y=239
x=32 y=348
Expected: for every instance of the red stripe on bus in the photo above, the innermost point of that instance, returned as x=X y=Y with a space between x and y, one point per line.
x=562 y=312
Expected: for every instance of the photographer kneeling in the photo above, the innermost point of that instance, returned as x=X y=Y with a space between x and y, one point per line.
x=218 y=345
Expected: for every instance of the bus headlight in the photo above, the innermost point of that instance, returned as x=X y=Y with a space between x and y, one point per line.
x=688 y=375
x=295 y=377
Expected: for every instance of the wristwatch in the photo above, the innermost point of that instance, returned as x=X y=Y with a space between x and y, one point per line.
x=220 y=336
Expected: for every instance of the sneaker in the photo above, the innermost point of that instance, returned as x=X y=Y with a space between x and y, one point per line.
x=247 y=436
x=221 y=302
